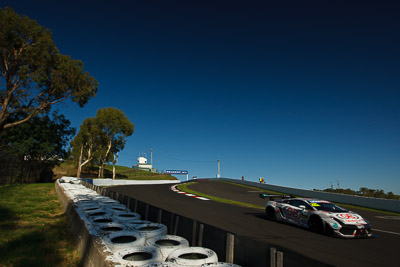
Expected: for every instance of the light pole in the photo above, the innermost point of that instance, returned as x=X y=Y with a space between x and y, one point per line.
x=219 y=169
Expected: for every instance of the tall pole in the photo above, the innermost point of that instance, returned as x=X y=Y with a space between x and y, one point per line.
x=151 y=157
x=219 y=169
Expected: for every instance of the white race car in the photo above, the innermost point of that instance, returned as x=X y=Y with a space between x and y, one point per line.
x=318 y=215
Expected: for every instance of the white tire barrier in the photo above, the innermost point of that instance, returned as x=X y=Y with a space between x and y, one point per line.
x=108 y=228
x=67 y=179
x=126 y=216
x=96 y=213
x=76 y=192
x=150 y=230
x=192 y=256
x=161 y=264
x=220 y=264
x=124 y=239
x=167 y=243
x=138 y=256
x=106 y=202
x=102 y=219
x=125 y=234
x=82 y=202
x=100 y=198
x=132 y=223
x=116 y=208
x=75 y=181
x=90 y=207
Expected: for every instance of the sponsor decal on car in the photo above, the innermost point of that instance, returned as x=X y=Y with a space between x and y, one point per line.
x=349 y=218
x=318 y=201
x=293 y=212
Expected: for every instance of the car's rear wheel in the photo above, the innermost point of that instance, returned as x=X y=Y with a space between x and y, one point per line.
x=316 y=224
x=270 y=213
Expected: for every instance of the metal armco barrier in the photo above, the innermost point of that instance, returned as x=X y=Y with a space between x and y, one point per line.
x=368 y=202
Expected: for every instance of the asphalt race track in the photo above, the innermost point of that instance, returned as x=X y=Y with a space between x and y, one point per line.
x=383 y=250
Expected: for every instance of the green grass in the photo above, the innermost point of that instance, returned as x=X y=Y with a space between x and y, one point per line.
x=118 y=168
x=184 y=187
x=127 y=173
x=33 y=228
x=253 y=188
x=349 y=207
x=122 y=172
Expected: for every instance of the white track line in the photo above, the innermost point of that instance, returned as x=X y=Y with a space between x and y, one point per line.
x=383 y=231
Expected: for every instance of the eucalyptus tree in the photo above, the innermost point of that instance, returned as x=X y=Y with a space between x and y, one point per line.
x=34 y=75
x=100 y=138
x=116 y=128
x=87 y=143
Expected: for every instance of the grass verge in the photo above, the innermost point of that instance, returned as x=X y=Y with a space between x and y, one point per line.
x=253 y=188
x=33 y=228
x=350 y=207
x=184 y=187
x=122 y=172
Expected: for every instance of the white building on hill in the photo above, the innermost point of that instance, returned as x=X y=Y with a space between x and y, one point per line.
x=143 y=165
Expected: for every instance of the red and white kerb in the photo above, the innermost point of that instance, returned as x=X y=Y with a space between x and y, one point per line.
x=173 y=188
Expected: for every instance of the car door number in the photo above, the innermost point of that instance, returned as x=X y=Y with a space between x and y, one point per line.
x=294 y=213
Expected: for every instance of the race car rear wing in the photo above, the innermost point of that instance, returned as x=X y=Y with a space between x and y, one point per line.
x=273 y=197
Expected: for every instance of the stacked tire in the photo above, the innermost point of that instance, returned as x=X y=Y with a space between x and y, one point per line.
x=133 y=241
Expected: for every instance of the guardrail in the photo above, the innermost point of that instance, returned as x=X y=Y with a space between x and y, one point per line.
x=374 y=203
x=111 y=182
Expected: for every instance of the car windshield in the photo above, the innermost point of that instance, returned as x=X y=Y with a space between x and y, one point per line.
x=327 y=206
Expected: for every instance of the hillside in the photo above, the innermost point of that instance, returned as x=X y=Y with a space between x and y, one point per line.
x=122 y=172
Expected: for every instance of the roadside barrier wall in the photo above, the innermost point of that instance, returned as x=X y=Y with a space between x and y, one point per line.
x=374 y=203
x=229 y=247
x=111 y=182
x=90 y=248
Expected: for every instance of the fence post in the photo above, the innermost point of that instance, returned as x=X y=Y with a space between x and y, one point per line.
x=276 y=258
x=201 y=230
x=279 y=259
x=230 y=245
x=272 y=257
x=194 y=233
x=128 y=204
x=159 y=216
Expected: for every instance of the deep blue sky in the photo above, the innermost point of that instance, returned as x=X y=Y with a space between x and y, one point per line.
x=300 y=92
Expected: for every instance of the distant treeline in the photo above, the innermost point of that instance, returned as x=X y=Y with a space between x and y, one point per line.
x=363 y=192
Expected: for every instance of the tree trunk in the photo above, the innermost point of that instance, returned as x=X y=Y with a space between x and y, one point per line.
x=80 y=164
x=102 y=170
x=115 y=163
x=105 y=157
x=78 y=173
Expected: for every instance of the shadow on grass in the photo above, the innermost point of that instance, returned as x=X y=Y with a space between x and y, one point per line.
x=35 y=247
x=7 y=219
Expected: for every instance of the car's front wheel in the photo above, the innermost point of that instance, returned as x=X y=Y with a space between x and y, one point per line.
x=316 y=224
x=270 y=213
